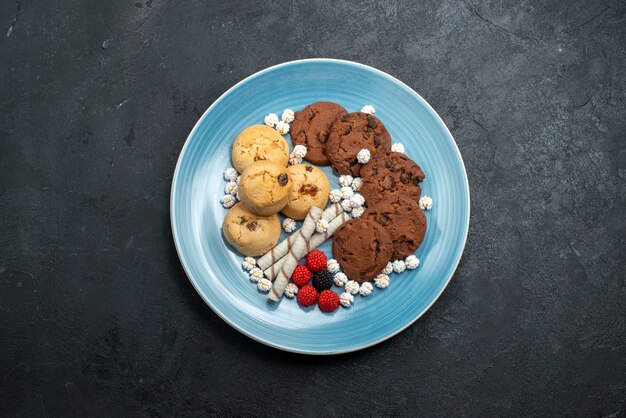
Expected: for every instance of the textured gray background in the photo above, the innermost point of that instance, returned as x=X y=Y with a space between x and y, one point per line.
x=97 y=316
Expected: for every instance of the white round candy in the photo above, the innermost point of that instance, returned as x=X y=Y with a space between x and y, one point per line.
x=366 y=289
x=228 y=201
x=426 y=203
x=299 y=151
x=282 y=127
x=271 y=120
x=287 y=116
x=381 y=281
x=398 y=266
x=363 y=157
x=352 y=287
x=230 y=174
x=332 y=266
x=264 y=285
x=345 y=180
x=248 y=263
x=340 y=279
x=291 y=290
x=347 y=192
x=369 y=109
x=256 y=274
x=289 y=225
x=411 y=262
x=397 y=147
x=335 y=195
x=346 y=299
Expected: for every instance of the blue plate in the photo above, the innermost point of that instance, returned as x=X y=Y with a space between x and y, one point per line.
x=215 y=269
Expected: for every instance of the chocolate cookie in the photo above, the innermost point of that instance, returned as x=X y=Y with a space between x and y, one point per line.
x=352 y=133
x=363 y=248
x=311 y=127
x=402 y=217
x=391 y=172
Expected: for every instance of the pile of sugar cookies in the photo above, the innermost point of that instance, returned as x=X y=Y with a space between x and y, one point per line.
x=373 y=172
x=267 y=186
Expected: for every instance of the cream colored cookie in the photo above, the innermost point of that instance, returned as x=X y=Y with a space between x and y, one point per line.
x=264 y=187
x=259 y=143
x=250 y=234
x=309 y=187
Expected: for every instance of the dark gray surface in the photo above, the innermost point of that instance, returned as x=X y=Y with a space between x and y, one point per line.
x=97 y=316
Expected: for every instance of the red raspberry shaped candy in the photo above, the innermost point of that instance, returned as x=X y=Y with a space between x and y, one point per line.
x=301 y=275
x=307 y=295
x=328 y=301
x=316 y=260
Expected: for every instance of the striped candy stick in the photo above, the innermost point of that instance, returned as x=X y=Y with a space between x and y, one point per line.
x=291 y=259
x=285 y=245
x=316 y=240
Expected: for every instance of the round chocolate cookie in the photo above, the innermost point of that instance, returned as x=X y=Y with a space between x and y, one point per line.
x=311 y=127
x=352 y=133
x=402 y=217
x=363 y=248
x=390 y=172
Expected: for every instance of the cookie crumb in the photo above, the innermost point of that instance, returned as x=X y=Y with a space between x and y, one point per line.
x=357 y=183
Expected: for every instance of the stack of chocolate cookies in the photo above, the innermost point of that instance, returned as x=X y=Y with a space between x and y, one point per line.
x=393 y=226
